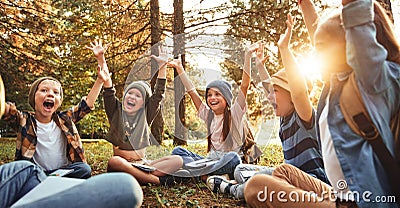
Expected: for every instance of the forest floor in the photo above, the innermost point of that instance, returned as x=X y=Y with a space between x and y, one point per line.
x=194 y=194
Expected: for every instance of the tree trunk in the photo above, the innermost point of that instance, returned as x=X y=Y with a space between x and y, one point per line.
x=157 y=128
x=181 y=133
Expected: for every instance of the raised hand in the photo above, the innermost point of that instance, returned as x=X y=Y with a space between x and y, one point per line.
x=177 y=64
x=98 y=51
x=252 y=48
x=284 y=40
x=162 y=58
x=103 y=73
x=260 y=58
x=98 y=48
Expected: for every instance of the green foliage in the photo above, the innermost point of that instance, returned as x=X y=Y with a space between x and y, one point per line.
x=97 y=155
x=7 y=150
x=47 y=38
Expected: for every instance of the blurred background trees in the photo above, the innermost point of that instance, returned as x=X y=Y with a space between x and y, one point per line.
x=47 y=38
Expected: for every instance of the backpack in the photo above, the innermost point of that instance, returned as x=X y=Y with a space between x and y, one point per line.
x=251 y=152
x=357 y=117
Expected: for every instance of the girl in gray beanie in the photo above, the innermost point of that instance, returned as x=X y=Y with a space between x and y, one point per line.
x=224 y=120
x=130 y=121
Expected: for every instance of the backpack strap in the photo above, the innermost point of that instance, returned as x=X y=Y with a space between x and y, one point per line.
x=354 y=111
x=357 y=117
x=251 y=152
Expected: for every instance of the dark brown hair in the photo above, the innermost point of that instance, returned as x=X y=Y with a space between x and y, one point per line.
x=225 y=128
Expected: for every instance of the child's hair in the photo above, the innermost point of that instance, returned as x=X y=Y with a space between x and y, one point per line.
x=225 y=128
x=384 y=31
x=226 y=90
x=34 y=88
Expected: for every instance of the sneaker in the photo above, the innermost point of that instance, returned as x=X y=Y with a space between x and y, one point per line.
x=219 y=184
x=171 y=180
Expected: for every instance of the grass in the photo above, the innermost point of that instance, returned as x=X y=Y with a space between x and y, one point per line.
x=179 y=195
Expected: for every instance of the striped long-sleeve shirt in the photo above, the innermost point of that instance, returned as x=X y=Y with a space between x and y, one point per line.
x=300 y=145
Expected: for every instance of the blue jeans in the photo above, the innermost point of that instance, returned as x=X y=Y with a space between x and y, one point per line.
x=81 y=170
x=237 y=190
x=105 y=190
x=225 y=165
x=16 y=179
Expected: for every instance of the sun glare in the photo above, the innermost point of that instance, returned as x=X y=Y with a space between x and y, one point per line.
x=310 y=67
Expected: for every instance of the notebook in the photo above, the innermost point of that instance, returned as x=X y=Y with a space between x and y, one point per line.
x=61 y=172
x=145 y=168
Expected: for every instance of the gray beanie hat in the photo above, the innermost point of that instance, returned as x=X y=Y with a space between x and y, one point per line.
x=224 y=87
x=142 y=86
x=34 y=87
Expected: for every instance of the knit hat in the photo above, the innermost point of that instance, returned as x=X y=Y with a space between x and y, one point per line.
x=139 y=135
x=280 y=79
x=224 y=87
x=142 y=86
x=34 y=87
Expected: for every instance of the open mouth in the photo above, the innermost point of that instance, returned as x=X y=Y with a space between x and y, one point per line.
x=214 y=103
x=48 y=104
x=131 y=104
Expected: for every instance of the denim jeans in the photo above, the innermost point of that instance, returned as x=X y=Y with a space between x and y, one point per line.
x=105 y=190
x=16 y=179
x=237 y=190
x=225 y=165
x=81 y=170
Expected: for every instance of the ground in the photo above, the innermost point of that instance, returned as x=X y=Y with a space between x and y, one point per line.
x=178 y=195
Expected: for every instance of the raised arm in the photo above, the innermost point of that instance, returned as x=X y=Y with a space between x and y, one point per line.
x=161 y=60
x=244 y=86
x=177 y=64
x=260 y=65
x=260 y=62
x=103 y=75
x=310 y=17
x=297 y=81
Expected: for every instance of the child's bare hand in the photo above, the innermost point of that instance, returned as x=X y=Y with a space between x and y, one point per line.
x=252 y=48
x=284 y=40
x=103 y=73
x=98 y=48
x=177 y=64
x=162 y=58
x=260 y=58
